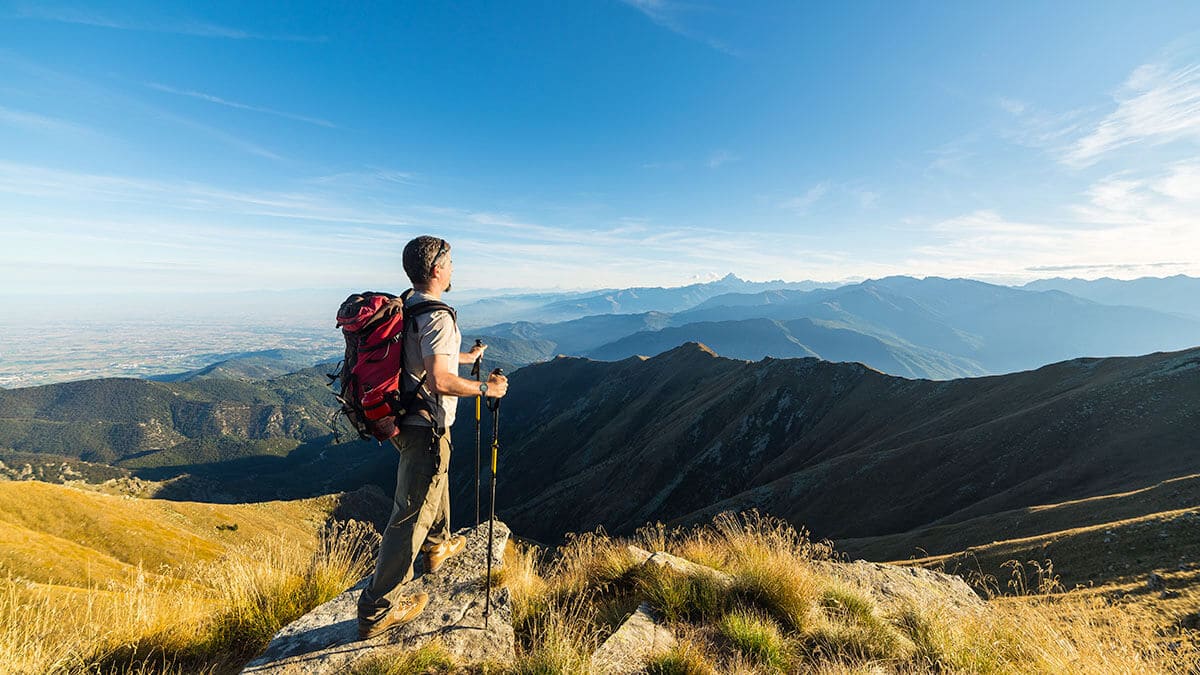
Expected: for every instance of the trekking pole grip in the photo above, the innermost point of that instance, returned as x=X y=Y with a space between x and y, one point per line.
x=493 y=404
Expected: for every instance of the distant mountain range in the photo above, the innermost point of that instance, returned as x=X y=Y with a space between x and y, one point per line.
x=555 y=307
x=842 y=449
x=922 y=328
x=1179 y=294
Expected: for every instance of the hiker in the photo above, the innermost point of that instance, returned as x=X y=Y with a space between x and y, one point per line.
x=420 y=517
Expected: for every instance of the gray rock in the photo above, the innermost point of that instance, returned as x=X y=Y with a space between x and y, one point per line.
x=640 y=555
x=893 y=585
x=890 y=585
x=326 y=639
x=640 y=637
x=681 y=565
x=1155 y=582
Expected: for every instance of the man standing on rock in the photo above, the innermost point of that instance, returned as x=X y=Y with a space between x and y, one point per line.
x=420 y=519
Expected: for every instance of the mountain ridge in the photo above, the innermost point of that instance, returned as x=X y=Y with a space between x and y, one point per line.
x=802 y=431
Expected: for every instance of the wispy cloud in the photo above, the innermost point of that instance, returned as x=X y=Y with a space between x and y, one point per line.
x=92 y=93
x=184 y=26
x=719 y=158
x=1129 y=267
x=240 y=106
x=36 y=122
x=221 y=135
x=163 y=222
x=1159 y=103
x=672 y=16
x=371 y=177
x=952 y=157
x=1012 y=105
x=1125 y=225
x=867 y=199
x=85 y=188
x=846 y=195
x=804 y=203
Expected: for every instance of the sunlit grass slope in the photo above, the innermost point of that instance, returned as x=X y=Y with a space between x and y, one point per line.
x=78 y=528
x=1106 y=541
x=99 y=583
x=944 y=537
x=785 y=611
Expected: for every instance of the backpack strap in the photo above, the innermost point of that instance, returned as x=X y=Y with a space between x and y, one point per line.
x=414 y=401
x=429 y=306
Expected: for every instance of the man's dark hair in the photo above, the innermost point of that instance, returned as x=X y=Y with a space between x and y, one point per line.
x=420 y=256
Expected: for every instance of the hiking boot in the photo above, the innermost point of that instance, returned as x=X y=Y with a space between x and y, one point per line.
x=403 y=611
x=436 y=555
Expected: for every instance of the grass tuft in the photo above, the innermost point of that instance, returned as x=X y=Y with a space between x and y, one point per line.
x=682 y=597
x=847 y=604
x=783 y=588
x=757 y=637
x=685 y=658
x=560 y=639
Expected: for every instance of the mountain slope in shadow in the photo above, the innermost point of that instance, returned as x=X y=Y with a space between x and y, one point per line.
x=840 y=448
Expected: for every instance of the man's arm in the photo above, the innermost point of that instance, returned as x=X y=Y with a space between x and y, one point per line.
x=469 y=357
x=442 y=381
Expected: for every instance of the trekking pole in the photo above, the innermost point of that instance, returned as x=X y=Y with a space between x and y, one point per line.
x=476 y=372
x=493 y=404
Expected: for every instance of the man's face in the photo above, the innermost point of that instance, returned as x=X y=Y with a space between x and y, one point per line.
x=443 y=266
x=445 y=269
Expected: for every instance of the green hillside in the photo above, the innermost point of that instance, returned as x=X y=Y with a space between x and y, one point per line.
x=138 y=423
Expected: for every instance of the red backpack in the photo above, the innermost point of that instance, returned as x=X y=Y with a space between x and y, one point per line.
x=373 y=325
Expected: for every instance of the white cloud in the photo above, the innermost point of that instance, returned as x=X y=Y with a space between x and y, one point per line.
x=240 y=106
x=1181 y=183
x=720 y=157
x=847 y=195
x=671 y=15
x=1157 y=104
x=1126 y=226
x=185 y=26
x=952 y=157
x=803 y=203
x=1012 y=105
x=36 y=122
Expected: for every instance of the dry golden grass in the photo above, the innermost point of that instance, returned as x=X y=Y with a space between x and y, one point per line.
x=204 y=614
x=782 y=613
x=780 y=610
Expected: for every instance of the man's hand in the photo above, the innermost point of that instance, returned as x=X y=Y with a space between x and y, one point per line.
x=477 y=350
x=497 y=386
x=465 y=358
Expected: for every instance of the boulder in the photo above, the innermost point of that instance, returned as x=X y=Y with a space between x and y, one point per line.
x=890 y=585
x=326 y=639
x=675 y=563
x=893 y=585
x=640 y=637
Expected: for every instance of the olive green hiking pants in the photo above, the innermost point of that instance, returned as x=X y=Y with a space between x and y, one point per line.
x=420 y=515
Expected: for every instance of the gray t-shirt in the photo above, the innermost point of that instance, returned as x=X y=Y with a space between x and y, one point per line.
x=435 y=333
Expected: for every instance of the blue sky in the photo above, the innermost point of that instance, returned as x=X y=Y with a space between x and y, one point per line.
x=235 y=146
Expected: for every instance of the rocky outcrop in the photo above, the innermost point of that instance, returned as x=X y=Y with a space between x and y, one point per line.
x=890 y=585
x=641 y=636
x=893 y=585
x=326 y=639
x=676 y=564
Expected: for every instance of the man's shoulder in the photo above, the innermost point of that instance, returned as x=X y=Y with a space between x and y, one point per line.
x=419 y=303
x=430 y=314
